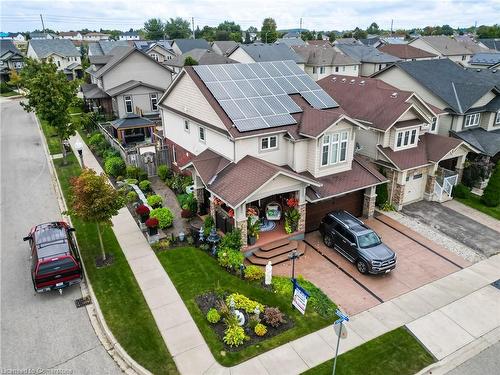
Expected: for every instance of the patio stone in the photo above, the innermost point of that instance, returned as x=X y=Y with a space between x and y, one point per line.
x=283 y=360
x=313 y=349
x=390 y=315
x=184 y=337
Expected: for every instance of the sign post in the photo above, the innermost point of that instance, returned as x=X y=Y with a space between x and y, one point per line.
x=300 y=296
x=342 y=333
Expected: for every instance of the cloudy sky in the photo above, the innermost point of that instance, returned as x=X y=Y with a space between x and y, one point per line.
x=63 y=15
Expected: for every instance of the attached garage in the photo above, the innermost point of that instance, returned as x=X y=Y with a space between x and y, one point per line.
x=414 y=188
x=351 y=202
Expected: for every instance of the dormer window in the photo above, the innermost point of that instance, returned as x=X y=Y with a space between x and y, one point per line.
x=472 y=120
x=406 y=138
x=334 y=148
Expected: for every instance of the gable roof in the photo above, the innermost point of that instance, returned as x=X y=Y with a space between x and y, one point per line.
x=8 y=46
x=366 y=54
x=129 y=85
x=46 y=47
x=470 y=43
x=492 y=43
x=260 y=52
x=92 y=91
x=105 y=47
x=69 y=33
x=186 y=45
x=208 y=164
x=347 y=41
x=132 y=120
x=445 y=45
x=322 y=55
x=485 y=58
x=290 y=42
x=405 y=51
x=202 y=56
x=226 y=46
x=487 y=142
x=325 y=43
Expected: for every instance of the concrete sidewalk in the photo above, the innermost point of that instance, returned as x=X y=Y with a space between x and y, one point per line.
x=426 y=310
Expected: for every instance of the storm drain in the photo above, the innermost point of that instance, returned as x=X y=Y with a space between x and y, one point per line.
x=496 y=284
x=80 y=302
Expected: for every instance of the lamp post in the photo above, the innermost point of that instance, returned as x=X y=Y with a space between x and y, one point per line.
x=293 y=255
x=79 y=149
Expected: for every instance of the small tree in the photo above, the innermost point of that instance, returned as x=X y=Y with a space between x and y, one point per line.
x=491 y=194
x=189 y=61
x=94 y=200
x=14 y=79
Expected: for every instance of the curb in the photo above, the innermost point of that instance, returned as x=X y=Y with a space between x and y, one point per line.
x=126 y=363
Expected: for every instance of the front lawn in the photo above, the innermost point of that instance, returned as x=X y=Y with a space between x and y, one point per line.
x=53 y=141
x=394 y=353
x=195 y=273
x=121 y=301
x=474 y=201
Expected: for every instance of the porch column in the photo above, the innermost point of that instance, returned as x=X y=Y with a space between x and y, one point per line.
x=240 y=222
x=212 y=207
x=301 y=196
x=398 y=195
x=369 y=202
x=429 y=187
x=460 y=167
x=200 y=196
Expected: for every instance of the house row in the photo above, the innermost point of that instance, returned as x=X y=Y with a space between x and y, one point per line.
x=62 y=52
x=10 y=59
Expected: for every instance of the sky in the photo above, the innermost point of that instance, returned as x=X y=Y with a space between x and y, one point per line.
x=65 y=15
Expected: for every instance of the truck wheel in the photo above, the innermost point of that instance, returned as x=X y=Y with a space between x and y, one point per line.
x=328 y=240
x=362 y=266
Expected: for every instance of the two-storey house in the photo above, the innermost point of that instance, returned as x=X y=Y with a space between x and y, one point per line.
x=201 y=56
x=400 y=138
x=260 y=52
x=71 y=35
x=105 y=47
x=406 y=52
x=256 y=135
x=181 y=46
x=159 y=50
x=61 y=52
x=444 y=47
x=130 y=35
x=372 y=60
x=10 y=59
x=470 y=100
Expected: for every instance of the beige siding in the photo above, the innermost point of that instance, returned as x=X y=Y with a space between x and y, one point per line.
x=141 y=100
x=281 y=184
x=488 y=97
x=419 y=43
x=347 y=70
x=368 y=140
x=392 y=137
x=251 y=146
x=300 y=160
x=492 y=125
x=241 y=56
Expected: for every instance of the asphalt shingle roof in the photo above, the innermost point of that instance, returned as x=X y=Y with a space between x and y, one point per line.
x=104 y=47
x=226 y=46
x=488 y=142
x=202 y=56
x=491 y=43
x=7 y=45
x=485 y=58
x=405 y=51
x=131 y=121
x=446 y=45
x=366 y=54
x=46 y=47
x=186 y=45
x=321 y=56
x=261 y=52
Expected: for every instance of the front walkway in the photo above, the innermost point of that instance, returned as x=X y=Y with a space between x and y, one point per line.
x=192 y=355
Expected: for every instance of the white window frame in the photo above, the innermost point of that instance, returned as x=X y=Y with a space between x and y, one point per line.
x=154 y=56
x=472 y=120
x=434 y=123
x=497 y=118
x=321 y=70
x=186 y=126
x=334 y=147
x=202 y=134
x=153 y=98
x=315 y=69
x=268 y=141
x=336 y=69
x=131 y=103
x=406 y=138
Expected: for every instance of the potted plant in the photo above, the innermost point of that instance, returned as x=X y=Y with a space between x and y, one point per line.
x=292 y=218
x=186 y=211
x=253 y=229
x=143 y=212
x=152 y=224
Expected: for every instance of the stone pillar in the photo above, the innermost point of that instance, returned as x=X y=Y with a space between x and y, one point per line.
x=302 y=221
x=242 y=226
x=460 y=172
x=212 y=207
x=429 y=187
x=398 y=195
x=200 y=197
x=369 y=202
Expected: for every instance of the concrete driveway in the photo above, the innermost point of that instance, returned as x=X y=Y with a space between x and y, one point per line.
x=420 y=261
x=460 y=227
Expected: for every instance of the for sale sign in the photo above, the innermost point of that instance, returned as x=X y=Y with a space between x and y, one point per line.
x=300 y=296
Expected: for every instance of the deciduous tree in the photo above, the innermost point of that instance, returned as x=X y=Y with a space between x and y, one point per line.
x=268 y=32
x=178 y=28
x=189 y=61
x=154 y=29
x=373 y=29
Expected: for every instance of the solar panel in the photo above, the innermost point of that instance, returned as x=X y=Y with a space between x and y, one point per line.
x=257 y=95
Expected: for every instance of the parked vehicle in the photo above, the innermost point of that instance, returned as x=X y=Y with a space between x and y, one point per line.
x=55 y=260
x=357 y=242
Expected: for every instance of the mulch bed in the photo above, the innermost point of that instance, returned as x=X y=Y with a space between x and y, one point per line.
x=208 y=300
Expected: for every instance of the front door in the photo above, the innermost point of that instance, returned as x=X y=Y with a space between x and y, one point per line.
x=414 y=188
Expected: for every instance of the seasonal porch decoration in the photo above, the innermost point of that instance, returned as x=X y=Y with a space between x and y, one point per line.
x=143 y=212
x=152 y=224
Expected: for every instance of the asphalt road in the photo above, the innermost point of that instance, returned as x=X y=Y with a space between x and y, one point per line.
x=38 y=331
x=485 y=363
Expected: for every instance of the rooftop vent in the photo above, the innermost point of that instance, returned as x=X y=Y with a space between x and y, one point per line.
x=334 y=79
x=394 y=95
x=352 y=81
x=361 y=83
x=494 y=71
x=344 y=80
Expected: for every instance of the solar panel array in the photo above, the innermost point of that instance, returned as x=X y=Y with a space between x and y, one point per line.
x=256 y=96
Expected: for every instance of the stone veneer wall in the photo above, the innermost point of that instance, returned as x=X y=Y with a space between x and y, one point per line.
x=199 y=194
x=242 y=225
x=302 y=221
x=369 y=202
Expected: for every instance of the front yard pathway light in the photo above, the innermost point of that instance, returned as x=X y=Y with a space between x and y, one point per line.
x=293 y=255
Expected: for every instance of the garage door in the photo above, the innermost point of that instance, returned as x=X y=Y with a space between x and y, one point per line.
x=352 y=202
x=414 y=188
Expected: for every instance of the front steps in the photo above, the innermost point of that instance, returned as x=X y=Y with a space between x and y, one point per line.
x=276 y=252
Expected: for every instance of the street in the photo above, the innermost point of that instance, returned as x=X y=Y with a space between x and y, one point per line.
x=485 y=363
x=38 y=331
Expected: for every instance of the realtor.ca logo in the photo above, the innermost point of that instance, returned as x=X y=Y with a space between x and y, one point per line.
x=35 y=371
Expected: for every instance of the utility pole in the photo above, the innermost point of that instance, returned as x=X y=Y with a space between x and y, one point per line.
x=192 y=21
x=300 y=27
x=392 y=22
x=475 y=28
x=43 y=25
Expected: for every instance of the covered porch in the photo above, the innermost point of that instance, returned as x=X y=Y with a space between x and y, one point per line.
x=133 y=129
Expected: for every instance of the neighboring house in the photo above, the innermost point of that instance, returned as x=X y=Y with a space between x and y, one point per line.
x=493 y=43
x=127 y=83
x=406 y=52
x=253 y=135
x=322 y=43
x=322 y=61
x=260 y=52
x=290 y=42
x=181 y=46
x=93 y=37
x=471 y=100
x=10 y=59
x=372 y=60
x=61 y=52
x=18 y=37
x=71 y=35
x=223 y=47
x=104 y=47
x=471 y=44
x=292 y=35
x=43 y=36
x=444 y=47
x=202 y=56
x=485 y=60
x=346 y=41
x=390 y=40
x=159 y=50
x=400 y=138
x=130 y=35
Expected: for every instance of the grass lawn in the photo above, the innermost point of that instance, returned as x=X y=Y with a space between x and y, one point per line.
x=194 y=272
x=53 y=141
x=119 y=296
x=474 y=201
x=394 y=353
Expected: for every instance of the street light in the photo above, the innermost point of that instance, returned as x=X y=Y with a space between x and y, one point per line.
x=79 y=148
x=293 y=255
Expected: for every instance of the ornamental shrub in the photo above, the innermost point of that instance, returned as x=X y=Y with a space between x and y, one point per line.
x=131 y=181
x=109 y=153
x=132 y=197
x=382 y=195
x=96 y=140
x=213 y=316
x=254 y=273
x=152 y=222
x=461 y=191
x=232 y=240
x=491 y=194
x=142 y=175
x=260 y=329
x=245 y=303
x=273 y=316
x=230 y=259
x=163 y=172
x=234 y=335
x=164 y=216
x=145 y=185
x=208 y=224
x=114 y=166
x=142 y=210
x=133 y=172
x=155 y=201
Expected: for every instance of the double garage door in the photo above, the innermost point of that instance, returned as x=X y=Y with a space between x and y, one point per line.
x=352 y=202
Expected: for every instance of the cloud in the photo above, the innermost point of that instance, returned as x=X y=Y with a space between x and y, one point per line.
x=315 y=14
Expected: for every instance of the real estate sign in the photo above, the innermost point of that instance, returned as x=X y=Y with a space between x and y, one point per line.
x=300 y=296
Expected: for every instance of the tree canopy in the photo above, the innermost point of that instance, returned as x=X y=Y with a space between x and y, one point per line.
x=373 y=29
x=488 y=31
x=359 y=34
x=268 y=32
x=154 y=29
x=178 y=28
x=190 y=61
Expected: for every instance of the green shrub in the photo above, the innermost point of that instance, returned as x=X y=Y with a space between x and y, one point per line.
x=164 y=216
x=244 y=303
x=253 y=320
x=155 y=201
x=231 y=240
x=273 y=316
x=230 y=259
x=208 y=224
x=260 y=329
x=461 y=191
x=132 y=197
x=142 y=175
x=254 y=273
x=110 y=153
x=145 y=185
x=213 y=316
x=132 y=172
x=491 y=194
x=388 y=207
x=4 y=88
x=163 y=172
x=382 y=195
x=95 y=140
x=114 y=166
x=188 y=202
x=234 y=335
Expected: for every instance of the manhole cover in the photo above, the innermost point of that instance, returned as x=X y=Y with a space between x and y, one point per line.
x=496 y=284
x=80 y=302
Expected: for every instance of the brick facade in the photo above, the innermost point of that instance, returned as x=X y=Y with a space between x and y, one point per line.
x=398 y=195
x=429 y=187
x=212 y=208
x=182 y=156
x=302 y=221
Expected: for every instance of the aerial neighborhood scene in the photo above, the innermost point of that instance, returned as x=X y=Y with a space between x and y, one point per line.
x=276 y=188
